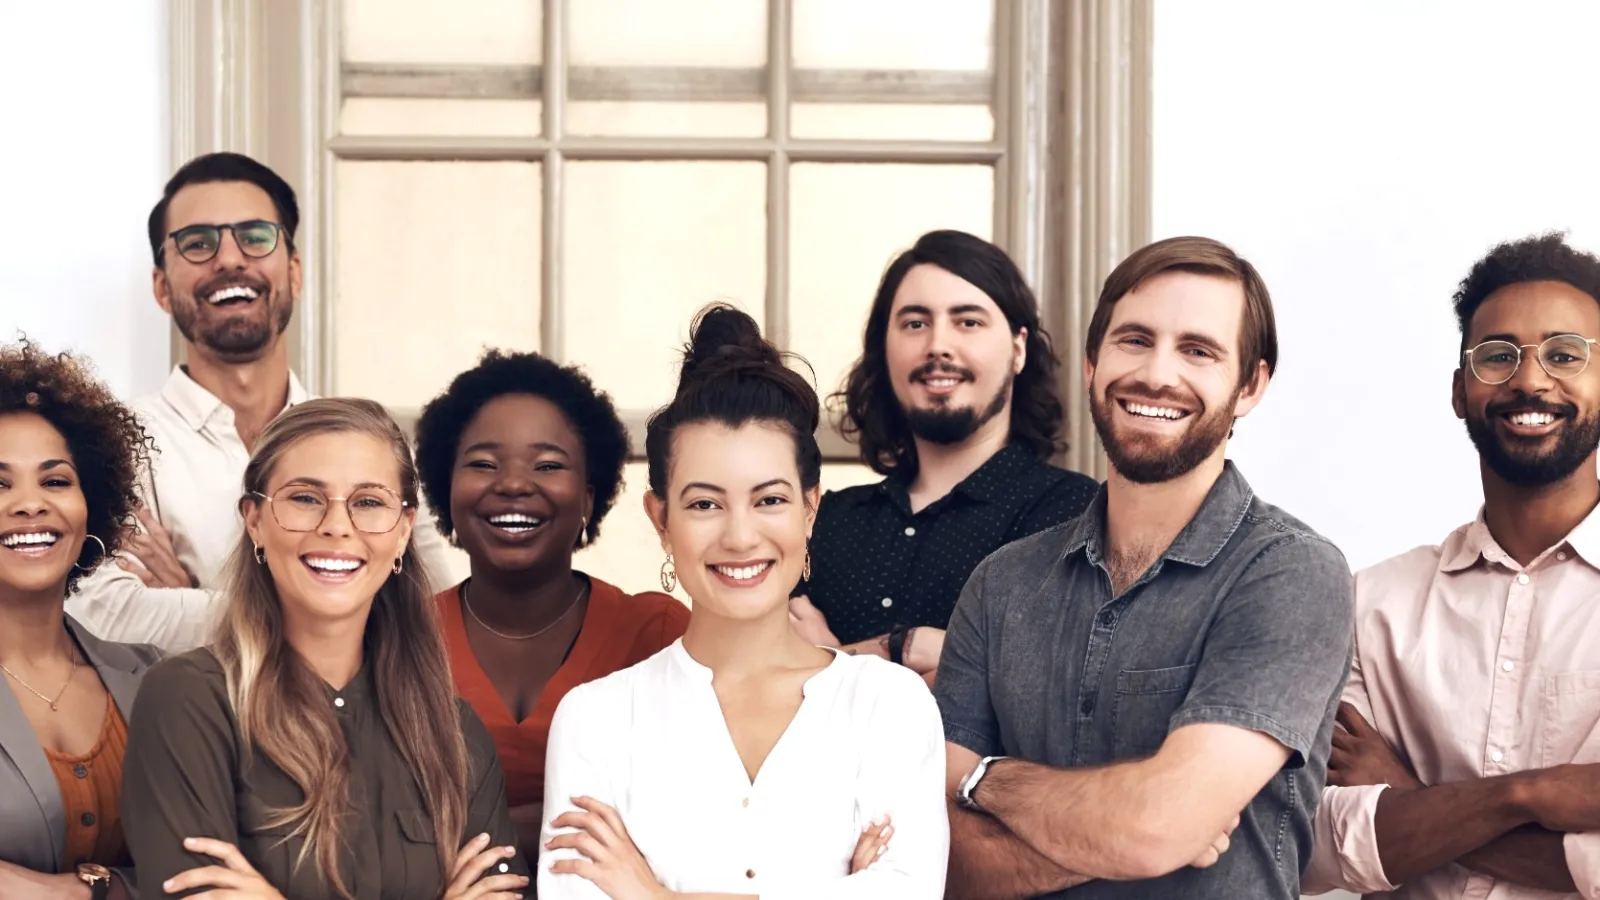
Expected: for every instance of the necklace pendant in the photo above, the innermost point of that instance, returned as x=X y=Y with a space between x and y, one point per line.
x=53 y=707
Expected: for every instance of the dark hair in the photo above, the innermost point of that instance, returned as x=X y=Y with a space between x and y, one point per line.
x=498 y=373
x=731 y=375
x=109 y=447
x=1541 y=257
x=214 y=167
x=872 y=416
x=1258 y=327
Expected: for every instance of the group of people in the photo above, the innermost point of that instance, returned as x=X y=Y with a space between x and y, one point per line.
x=233 y=670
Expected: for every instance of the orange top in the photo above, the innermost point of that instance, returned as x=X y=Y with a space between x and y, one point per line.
x=618 y=630
x=91 y=790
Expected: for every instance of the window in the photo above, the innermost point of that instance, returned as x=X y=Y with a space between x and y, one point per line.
x=578 y=177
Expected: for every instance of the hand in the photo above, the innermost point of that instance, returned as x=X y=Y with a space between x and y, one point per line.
x=235 y=879
x=1212 y=853
x=160 y=566
x=810 y=623
x=922 y=649
x=610 y=858
x=1362 y=757
x=1565 y=798
x=17 y=883
x=871 y=845
x=472 y=861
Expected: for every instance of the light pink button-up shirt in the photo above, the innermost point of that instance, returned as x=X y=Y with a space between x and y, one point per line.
x=1473 y=666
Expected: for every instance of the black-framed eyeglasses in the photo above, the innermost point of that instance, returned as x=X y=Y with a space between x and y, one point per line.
x=1560 y=355
x=301 y=507
x=199 y=243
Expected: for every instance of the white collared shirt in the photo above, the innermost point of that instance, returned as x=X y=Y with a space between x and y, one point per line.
x=193 y=489
x=652 y=742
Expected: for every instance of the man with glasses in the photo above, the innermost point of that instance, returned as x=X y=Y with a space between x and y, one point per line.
x=1467 y=758
x=227 y=271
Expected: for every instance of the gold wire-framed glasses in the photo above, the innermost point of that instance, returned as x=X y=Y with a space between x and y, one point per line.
x=301 y=507
x=1560 y=355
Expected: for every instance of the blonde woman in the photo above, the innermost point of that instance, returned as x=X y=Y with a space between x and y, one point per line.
x=315 y=748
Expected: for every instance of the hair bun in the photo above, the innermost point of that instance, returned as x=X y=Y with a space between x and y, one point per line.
x=723 y=341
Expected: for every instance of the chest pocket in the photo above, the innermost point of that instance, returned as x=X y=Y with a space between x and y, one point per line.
x=419 y=849
x=1571 y=714
x=1146 y=700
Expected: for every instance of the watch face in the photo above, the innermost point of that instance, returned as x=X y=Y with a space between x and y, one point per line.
x=89 y=873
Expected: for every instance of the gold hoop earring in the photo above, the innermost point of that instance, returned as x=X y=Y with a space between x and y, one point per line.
x=805 y=571
x=261 y=554
x=669 y=575
x=103 y=554
x=398 y=564
x=583 y=533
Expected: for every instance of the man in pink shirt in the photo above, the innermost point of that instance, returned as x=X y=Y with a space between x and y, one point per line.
x=1467 y=761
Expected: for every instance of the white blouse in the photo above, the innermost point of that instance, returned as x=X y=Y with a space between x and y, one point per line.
x=651 y=741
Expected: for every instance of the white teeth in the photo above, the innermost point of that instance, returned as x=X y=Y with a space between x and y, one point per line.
x=232 y=293
x=323 y=564
x=1154 y=412
x=516 y=522
x=30 y=539
x=1532 y=418
x=742 y=573
x=941 y=382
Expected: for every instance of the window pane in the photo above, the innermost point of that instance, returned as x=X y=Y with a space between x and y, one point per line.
x=847 y=221
x=628 y=553
x=838 y=476
x=893 y=69
x=691 y=68
x=435 y=261
x=647 y=244
x=505 y=32
x=431 y=116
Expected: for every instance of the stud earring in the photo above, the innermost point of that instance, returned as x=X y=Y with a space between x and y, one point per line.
x=669 y=575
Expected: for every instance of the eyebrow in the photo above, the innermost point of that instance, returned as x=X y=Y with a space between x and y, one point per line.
x=536 y=445
x=1189 y=337
x=44 y=466
x=323 y=485
x=964 y=309
x=715 y=489
x=1512 y=339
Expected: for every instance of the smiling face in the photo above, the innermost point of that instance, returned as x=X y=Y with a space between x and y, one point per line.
x=43 y=516
x=1533 y=429
x=232 y=306
x=951 y=355
x=332 y=571
x=735 y=518
x=519 y=494
x=1165 y=389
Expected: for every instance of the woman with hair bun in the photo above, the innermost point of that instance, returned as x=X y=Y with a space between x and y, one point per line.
x=742 y=761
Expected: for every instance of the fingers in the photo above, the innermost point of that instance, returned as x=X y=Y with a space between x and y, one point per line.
x=607 y=814
x=143 y=573
x=473 y=861
x=205 y=876
x=1352 y=720
x=467 y=852
x=873 y=842
x=496 y=887
x=222 y=851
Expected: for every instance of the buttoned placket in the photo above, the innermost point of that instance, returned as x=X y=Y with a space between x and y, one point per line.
x=1501 y=751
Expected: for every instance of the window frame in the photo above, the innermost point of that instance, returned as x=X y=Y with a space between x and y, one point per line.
x=1070 y=152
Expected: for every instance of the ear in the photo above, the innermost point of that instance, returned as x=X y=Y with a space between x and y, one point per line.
x=1088 y=374
x=1458 y=393
x=294 y=276
x=162 y=289
x=1019 y=343
x=1253 y=392
x=408 y=522
x=813 y=497
x=657 y=511
x=250 y=510
x=588 y=506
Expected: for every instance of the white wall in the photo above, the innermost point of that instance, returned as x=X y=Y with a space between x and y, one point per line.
x=1363 y=155
x=83 y=102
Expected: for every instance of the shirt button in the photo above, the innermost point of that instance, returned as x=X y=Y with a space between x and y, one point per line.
x=888 y=602
x=1522 y=578
x=1497 y=756
x=1107 y=618
x=749 y=873
x=1087 y=706
x=745 y=803
x=1562 y=556
x=1507 y=666
x=504 y=867
x=87 y=819
x=339 y=702
x=80 y=770
x=910 y=532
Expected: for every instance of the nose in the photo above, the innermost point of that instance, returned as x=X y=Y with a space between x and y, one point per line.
x=1530 y=377
x=24 y=502
x=514 y=480
x=229 y=256
x=940 y=334
x=739 y=531
x=336 y=522
x=1161 y=367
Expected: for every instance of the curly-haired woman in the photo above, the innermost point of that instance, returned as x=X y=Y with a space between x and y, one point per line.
x=521 y=458
x=68 y=457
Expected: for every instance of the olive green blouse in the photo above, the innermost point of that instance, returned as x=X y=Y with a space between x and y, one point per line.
x=186 y=775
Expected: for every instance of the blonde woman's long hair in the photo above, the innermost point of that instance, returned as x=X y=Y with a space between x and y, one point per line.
x=279 y=702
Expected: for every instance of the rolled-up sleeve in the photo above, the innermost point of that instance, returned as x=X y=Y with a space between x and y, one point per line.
x=575 y=765
x=902 y=776
x=1345 y=853
x=962 y=687
x=1583 y=861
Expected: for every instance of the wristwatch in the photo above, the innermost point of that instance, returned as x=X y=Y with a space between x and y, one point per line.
x=97 y=877
x=896 y=645
x=969 y=784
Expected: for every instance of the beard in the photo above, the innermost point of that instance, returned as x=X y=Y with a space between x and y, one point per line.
x=1146 y=459
x=1520 y=461
x=231 y=333
x=944 y=425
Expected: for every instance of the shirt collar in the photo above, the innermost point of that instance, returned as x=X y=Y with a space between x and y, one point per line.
x=700 y=673
x=1475 y=543
x=1213 y=525
x=1004 y=467
x=356 y=695
x=197 y=405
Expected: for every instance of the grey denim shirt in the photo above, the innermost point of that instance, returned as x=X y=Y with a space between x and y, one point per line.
x=1245 y=620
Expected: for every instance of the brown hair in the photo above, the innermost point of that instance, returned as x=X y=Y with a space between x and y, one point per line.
x=1258 y=329
x=277 y=699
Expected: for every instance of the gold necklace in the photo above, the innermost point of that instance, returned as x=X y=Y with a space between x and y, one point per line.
x=71 y=671
x=518 y=637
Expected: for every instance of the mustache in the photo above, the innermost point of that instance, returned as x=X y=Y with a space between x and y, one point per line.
x=1139 y=393
x=1532 y=404
x=927 y=369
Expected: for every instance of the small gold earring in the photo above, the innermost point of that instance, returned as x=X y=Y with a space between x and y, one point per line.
x=261 y=555
x=398 y=564
x=669 y=575
x=805 y=571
